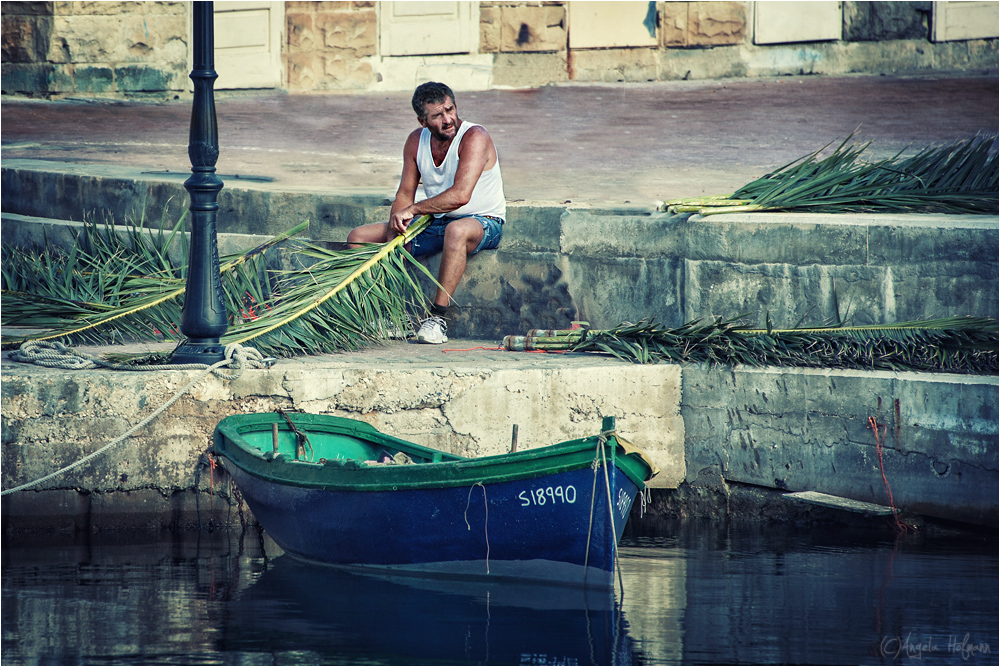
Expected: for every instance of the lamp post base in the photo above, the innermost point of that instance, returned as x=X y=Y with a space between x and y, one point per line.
x=206 y=351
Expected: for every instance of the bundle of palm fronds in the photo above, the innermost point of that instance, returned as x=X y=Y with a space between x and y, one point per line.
x=112 y=286
x=342 y=301
x=961 y=177
x=952 y=345
x=107 y=286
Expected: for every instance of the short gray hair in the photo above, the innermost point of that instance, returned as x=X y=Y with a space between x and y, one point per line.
x=431 y=92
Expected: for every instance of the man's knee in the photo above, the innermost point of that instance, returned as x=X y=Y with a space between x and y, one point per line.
x=465 y=233
x=374 y=233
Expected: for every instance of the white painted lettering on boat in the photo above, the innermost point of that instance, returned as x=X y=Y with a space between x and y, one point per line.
x=547 y=495
x=623 y=502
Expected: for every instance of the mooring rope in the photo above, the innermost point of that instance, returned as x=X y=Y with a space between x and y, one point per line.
x=57 y=355
x=601 y=439
x=486 y=521
x=879 y=442
x=600 y=461
x=645 y=497
x=611 y=514
x=54 y=354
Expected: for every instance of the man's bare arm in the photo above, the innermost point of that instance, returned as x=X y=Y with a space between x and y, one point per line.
x=408 y=182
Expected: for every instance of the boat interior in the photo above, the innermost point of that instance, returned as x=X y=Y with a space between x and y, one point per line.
x=327 y=445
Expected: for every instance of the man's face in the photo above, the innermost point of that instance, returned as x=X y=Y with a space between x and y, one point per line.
x=442 y=119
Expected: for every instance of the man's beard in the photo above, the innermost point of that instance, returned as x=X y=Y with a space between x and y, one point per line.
x=453 y=130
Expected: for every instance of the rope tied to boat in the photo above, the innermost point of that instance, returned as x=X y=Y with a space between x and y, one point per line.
x=486 y=521
x=645 y=497
x=601 y=439
x=600 y=461
x=57 y=355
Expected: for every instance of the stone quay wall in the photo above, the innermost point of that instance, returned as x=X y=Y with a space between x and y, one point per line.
x=707 y=429
x=809 y=430
x=465 y=403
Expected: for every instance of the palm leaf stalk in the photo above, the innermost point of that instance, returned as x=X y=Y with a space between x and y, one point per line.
x=961 y=177
x=951 y=345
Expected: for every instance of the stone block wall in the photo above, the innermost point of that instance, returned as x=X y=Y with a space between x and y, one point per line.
x=809 y=430
x=877 y=21
x=54 y=417
x=703 y=24
x=520 y=33
x=329 y=45
x=122 y=49
x=518 y=27
x=109 y=49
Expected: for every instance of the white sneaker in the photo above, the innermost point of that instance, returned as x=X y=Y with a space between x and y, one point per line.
x=432 y=330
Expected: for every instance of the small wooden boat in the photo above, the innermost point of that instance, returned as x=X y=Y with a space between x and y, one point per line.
x=339 y=492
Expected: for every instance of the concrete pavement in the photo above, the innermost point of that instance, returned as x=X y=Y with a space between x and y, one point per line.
x=635 y=143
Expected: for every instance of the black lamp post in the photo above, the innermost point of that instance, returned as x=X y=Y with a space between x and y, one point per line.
x=203 y=317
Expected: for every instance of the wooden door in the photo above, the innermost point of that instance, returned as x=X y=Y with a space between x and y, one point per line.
x=952 y=21
x=595 y=25
x=428 y=28
x=789 y=22
x=248 y=39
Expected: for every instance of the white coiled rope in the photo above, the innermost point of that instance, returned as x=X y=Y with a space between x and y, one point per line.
x=57 y=355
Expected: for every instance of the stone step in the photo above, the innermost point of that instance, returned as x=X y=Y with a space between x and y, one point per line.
x=838 y=502
x=562 y=262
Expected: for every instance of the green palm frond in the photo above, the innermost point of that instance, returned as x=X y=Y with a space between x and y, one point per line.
x=134 y=291
x=343 y=301
x=98 y=289
x=112 y=286
x=954 y=345
x=961 y=177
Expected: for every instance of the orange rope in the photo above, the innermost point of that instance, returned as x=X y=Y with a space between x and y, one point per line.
x=211 y=476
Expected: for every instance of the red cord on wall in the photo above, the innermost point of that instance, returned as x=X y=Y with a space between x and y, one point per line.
x=873 y=425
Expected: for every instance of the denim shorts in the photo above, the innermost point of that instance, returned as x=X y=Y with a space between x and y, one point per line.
x=431 y=240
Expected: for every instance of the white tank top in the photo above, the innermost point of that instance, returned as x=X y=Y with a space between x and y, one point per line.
x=487 y=197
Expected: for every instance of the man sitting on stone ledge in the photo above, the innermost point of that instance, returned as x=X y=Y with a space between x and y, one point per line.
x=458 y=165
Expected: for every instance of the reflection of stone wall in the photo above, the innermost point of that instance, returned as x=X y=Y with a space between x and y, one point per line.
x=328 y=43
x=95 y=48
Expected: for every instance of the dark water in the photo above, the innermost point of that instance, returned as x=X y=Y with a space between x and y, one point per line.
x=692 y=595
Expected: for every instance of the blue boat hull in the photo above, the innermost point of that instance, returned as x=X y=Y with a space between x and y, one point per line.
x=529 y=529
x=339 y=492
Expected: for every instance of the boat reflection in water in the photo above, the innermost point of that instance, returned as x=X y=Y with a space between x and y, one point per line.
x=346 y=617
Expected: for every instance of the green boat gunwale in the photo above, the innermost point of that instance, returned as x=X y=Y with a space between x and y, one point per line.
x=439 y=469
